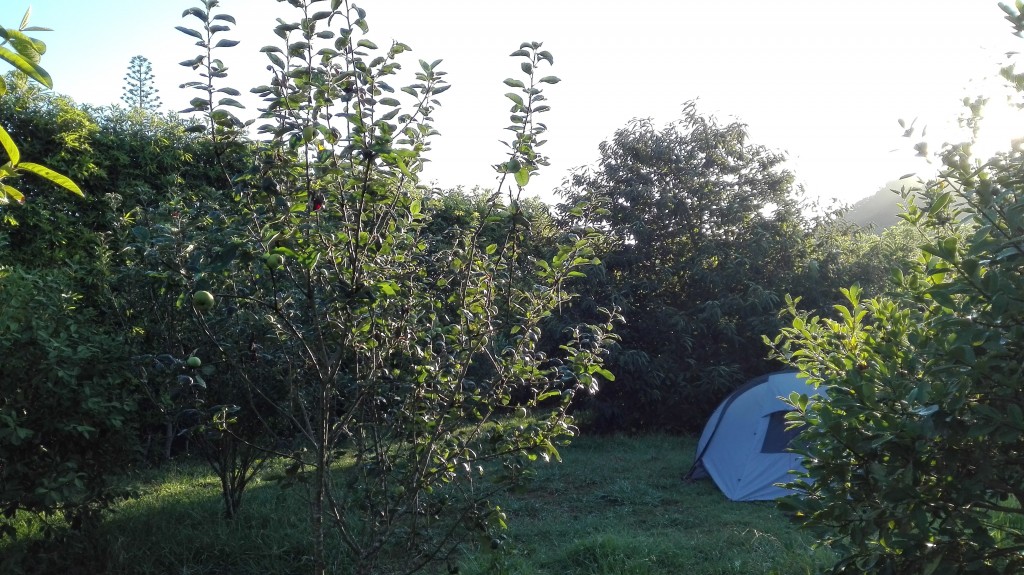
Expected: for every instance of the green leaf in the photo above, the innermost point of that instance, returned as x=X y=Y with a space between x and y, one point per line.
x=59 y=179
x=24 y=19
x=550 y=80
x=225 y=43
x=28 y=68
x=527 y=67
x=513 y=83
x=193 y=63
x=230 y=102
x=523 y=177
x=276 y=60
x=9 y=146
x=189 y=31
x=198 y=13
x=12 y=193
x=519 y=53
x=364 y=43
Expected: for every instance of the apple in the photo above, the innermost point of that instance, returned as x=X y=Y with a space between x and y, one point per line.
x=194 y=362
x=521 y=413
x=273 y=261
x=202 y=301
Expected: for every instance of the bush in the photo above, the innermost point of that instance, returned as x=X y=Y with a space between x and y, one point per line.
x=914 y=461
x=66 y=413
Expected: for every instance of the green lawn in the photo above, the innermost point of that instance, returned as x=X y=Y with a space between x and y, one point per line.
x=613 y=506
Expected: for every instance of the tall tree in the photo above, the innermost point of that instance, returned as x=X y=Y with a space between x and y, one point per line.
x=139 y=91
x=706 y=235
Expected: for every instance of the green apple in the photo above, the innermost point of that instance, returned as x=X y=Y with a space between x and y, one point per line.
x=273 y=261
x=194 y=362
x=521 y=413
x=202 y=301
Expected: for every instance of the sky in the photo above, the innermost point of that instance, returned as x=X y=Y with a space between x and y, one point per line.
x=823 y=82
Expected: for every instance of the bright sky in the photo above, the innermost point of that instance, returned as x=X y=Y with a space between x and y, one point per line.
x=824 y=82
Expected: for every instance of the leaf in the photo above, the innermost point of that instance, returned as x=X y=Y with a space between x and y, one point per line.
x=12 y=193
x=226 y=18
x=225 y=43
x=519 y=53
x=28 y=68
x=523 y=177
x=24 y=19
x=9 y=146
x=550 y=80
x=513 y=83
x=193 y=63
x=59 y=179
x=189 y=31
x=197 y=12
x=527 y=67
x=364 y=43
x=276 y=60
x=230 y=102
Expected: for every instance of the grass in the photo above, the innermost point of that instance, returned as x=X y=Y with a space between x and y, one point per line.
x=618 y=506
x=615 y=506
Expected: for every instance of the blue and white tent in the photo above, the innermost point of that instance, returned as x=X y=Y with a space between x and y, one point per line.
x=744 y=444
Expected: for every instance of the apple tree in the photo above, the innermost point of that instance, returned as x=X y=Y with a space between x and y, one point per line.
x=405 y=362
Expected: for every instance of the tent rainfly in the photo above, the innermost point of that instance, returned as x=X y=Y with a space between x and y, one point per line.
x=744 y=444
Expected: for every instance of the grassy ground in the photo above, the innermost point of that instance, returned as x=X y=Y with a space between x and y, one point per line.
x=614 y=506
x=618 y=506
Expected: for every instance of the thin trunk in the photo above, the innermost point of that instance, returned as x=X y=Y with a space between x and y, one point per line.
x=168 y=439
x=320 y=495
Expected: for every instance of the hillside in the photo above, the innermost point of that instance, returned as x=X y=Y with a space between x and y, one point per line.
x=879 y=210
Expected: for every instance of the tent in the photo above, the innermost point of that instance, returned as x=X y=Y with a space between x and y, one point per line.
x=744 y=444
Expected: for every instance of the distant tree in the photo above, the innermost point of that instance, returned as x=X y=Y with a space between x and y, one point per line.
x=705 y=236
x=139 y=91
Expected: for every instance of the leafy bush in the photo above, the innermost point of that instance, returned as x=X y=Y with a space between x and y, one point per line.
x=66 y=408
x=914 y=461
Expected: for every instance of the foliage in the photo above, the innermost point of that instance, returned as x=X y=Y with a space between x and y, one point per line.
x=704 y=236
x=139 y=93
x=915 y=457
x=395 y=348
x=842 y=254
x=25 y=57
x=65 y=400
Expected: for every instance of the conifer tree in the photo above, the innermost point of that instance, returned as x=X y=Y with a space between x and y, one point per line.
x=139 y=91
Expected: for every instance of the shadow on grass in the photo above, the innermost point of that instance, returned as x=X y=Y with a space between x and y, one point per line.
x=175 y=525
x=615 y=506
